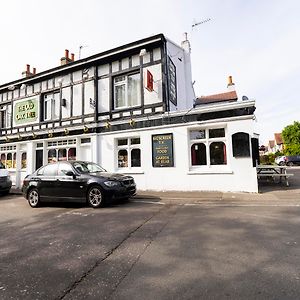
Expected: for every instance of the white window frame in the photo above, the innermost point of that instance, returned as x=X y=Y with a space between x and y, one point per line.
x=125 y=83
x=207 y=141
x=52 y=103
x=129 y=147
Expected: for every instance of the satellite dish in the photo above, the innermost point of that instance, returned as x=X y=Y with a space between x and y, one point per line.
x=245 y=98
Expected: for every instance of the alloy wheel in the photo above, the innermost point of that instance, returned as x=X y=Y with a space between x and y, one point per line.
x=33 y=198
x=95 y=197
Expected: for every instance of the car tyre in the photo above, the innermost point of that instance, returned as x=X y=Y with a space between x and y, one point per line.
x=281 y=163
x=290 y=164
x=34 y=198
x=95 y=197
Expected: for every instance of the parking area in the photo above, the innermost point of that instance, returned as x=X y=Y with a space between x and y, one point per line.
x=164 y=246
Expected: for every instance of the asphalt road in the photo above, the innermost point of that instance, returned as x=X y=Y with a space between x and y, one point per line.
x=151 y=249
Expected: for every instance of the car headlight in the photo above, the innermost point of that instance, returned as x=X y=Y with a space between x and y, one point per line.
x=111 y=183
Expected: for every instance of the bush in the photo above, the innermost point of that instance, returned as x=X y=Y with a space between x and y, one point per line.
x=267 y=159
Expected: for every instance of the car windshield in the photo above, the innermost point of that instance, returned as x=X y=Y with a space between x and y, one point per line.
x=87 y=167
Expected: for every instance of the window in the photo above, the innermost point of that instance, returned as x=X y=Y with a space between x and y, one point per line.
x=129 y=152
x=52 y=156
x=72 y=154
x=198 y=154
x=127 y=90
x=51 y=105
x=50 y=170
x=24 y=160
x=63 y=168
x=5 y=116
x=208 y=147
x=240 y=144
x=61 y=154
x=217 y=152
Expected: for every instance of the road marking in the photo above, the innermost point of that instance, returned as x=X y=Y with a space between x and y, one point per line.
x=148 y=202
x=215 y=204
x=242 y=205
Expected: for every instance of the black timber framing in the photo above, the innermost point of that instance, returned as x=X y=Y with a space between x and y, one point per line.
x=159 y=121
x=48 y=77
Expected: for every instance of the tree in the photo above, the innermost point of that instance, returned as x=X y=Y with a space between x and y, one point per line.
x=291 y=139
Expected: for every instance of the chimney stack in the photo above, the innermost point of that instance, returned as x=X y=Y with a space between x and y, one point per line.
x=66 y=59
x=27 y=73
x=230 y=85
x=185 y=44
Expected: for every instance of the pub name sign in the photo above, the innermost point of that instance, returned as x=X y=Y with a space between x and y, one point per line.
x=162 y=150
x=26 y=111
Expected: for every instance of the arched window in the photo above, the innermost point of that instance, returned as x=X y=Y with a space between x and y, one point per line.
x=62 y=154
x=72 y=154
x=135 y=158
x=198 y=154
x=24 y=160
x=217 y=151
x=14 y=161
x=52 y=156
x=122 y=158
x=241 y=144
x=9 y=161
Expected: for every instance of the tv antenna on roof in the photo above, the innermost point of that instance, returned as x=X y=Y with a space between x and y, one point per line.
x=201 y=22
x=80 y=48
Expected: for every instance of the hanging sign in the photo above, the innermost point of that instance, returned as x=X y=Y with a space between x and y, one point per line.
x=162 y=150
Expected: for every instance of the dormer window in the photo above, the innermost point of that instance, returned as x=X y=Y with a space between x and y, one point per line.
x=127 y=90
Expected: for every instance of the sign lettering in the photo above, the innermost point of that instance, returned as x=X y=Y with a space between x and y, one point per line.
x=162 y=150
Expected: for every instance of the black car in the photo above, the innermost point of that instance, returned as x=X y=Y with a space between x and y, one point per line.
x=5 y=181
x=76 y=181
x=292 y=160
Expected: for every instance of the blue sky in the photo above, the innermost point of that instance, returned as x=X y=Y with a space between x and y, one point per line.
x=257 y=42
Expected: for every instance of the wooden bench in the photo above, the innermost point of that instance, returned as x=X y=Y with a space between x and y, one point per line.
x=275 y=175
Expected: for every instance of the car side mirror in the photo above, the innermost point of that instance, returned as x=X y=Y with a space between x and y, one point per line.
x=70 y=173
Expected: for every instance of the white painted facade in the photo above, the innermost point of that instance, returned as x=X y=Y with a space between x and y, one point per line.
x=82 y=110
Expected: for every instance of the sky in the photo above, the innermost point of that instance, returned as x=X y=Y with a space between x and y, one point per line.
x=257 y=42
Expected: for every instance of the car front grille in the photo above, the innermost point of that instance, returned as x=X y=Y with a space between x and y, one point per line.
x=3 y=179
x=128 y=181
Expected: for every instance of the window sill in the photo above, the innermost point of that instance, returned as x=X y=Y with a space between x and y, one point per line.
x=206 y=170
x=130 y=171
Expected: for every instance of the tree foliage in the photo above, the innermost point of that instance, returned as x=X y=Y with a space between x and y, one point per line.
x=291 y=139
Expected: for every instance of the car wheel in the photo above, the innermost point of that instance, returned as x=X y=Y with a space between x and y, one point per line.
x=34 y=198
x=290 y=164
x=281 y=163
x=6 y=192
x=95 y=197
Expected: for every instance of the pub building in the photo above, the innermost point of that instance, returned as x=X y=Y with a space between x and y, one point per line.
x=133 y=110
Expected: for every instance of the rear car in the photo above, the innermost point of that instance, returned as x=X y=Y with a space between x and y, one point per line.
x=5 y=180
x=280 y=160
x=76 y=181
x=292 y=160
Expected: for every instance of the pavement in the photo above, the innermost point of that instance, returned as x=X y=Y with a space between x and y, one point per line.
x=268 y=191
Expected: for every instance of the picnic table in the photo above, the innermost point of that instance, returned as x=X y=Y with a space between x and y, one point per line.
x=273 y=172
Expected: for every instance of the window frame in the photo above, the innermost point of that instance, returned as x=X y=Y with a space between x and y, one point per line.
x=49 y=99
x=126 y=93
x=207 y=141
x=128 y=147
